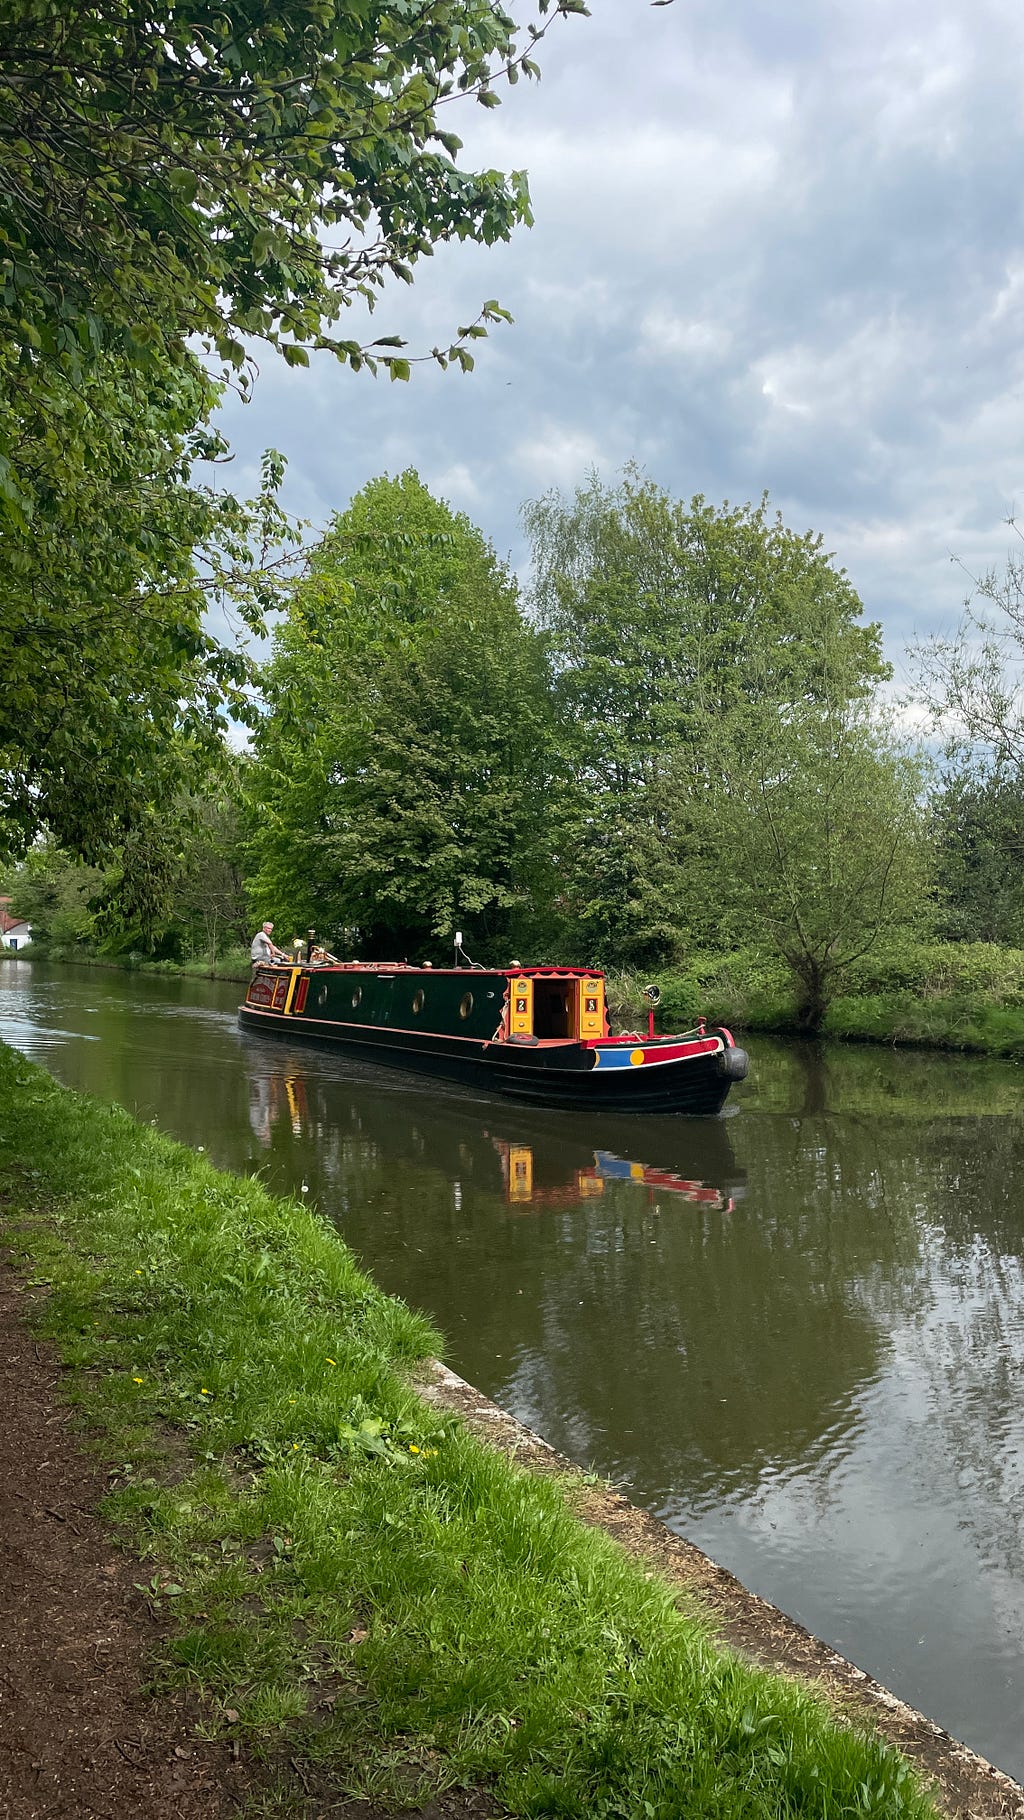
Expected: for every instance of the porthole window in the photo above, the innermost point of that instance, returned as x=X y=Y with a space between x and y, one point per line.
x=321 y=997
x=417 y=1002
x=357 y=997
x=465 y=1004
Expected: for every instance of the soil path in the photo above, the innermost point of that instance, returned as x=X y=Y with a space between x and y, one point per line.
x=77 y=1737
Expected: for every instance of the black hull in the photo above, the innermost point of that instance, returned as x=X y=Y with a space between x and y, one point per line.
x=696 y=1085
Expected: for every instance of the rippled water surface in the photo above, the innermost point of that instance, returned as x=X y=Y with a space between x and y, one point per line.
x=796 y=1333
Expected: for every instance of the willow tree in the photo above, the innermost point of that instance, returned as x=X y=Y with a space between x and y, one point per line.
x=812 y=830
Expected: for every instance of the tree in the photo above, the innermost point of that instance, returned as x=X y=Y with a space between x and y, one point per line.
x=665 y=620
x=972 y=683
x=813 y=830
x=110 y=668
x=400 y=775
x=244 y=170
x=172 y=889
x=212 y=907
x=57 y=895
x=978 y=830
x=175 y=889
x=174 y=179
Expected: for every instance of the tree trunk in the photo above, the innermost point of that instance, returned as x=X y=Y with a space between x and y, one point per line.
x=814 y=997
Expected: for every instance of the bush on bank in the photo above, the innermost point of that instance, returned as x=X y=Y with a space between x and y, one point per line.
x=350 y=1571
x=947 y=995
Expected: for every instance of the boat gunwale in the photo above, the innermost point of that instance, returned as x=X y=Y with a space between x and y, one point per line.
x=708 y=1045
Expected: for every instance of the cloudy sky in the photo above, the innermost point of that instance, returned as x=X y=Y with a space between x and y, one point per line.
x=776 y=248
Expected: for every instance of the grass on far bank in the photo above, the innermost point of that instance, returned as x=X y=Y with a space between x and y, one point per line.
x=230 y=964
x=943 y=995
x=353 y=1576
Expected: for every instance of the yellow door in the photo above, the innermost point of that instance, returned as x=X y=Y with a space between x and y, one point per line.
x=520 y=1007
x=591 y=1012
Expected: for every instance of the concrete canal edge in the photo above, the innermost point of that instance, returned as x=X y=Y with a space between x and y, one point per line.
x=965 y=1785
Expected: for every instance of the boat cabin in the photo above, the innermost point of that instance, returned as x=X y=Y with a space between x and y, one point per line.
x=527 y=1005
x=549 y=1004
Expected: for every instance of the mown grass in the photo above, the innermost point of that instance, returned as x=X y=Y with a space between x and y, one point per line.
x=347 y=1567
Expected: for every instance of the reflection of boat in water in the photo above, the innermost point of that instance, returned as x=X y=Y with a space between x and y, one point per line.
x=526 y=1157
x=524 y=1186
x=274 y=1095
x=539 y=1034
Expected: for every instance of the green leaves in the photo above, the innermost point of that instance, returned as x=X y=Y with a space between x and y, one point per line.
x=815 y=818
x=193 y=178
x=184 y=175
x=108 y=577
x=184 y=184
x=665 y=620
x=401 y=769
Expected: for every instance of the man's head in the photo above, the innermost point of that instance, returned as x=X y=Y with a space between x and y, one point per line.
x=268 y=928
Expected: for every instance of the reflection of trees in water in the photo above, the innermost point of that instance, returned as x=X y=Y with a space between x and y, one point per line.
x=961 y=1335
x=948 y=1287
x=852 y=1079
x=699 y=1353
x=699 y=1346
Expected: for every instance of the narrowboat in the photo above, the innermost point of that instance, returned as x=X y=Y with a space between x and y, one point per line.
x=539 y=1034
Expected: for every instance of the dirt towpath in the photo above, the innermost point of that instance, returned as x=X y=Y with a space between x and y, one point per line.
x=79 y=1740
x=76 y=1735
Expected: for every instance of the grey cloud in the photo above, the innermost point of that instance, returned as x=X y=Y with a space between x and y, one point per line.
x=775 y=248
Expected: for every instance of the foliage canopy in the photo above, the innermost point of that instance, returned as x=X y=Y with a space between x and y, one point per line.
x=811 y=822
x=665 y=621
x=401 y=770
x=173 y=180
x=239 y=170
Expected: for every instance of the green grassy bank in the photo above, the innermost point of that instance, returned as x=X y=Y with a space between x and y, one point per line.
x=353 y=1578
x=233 y=964
x=940 y=995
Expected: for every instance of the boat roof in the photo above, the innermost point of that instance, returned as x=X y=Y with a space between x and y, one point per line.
x=513 y=971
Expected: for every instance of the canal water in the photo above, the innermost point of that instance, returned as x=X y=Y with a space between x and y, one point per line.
x=795 y=1333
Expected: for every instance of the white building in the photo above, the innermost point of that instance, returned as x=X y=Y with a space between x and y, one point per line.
x=13 y=932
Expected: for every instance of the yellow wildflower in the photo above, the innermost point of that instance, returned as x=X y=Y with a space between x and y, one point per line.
x=413 y=1448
